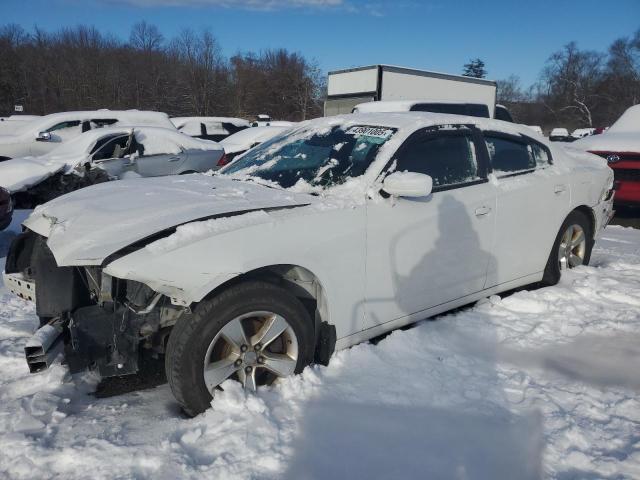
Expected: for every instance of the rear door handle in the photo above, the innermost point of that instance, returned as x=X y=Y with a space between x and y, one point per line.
x=174 y=159
x=482 y=211
x=560 y=189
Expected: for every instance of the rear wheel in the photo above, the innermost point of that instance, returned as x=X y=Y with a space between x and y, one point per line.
x=253 y=332
x=571 y=249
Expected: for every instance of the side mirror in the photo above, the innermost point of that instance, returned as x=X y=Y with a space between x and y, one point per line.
x=43 y=137
x=408 y=184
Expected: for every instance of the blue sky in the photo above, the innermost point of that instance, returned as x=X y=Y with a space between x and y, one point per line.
x=512 y=37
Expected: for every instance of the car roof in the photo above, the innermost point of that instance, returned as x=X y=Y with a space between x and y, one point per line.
x=417 y=120
x=123 y=117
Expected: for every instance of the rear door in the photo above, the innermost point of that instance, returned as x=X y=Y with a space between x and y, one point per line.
x=423 y=252
x=156 y=163
x=533 y=200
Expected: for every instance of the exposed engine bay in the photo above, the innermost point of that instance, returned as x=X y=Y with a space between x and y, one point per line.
x=100 y=322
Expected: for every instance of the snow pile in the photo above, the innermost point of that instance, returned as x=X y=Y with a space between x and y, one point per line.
x=539 y=384
x=623 y=136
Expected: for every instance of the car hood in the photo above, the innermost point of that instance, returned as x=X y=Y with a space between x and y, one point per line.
x=610 y=142
x=19 y=174
x=88 y=225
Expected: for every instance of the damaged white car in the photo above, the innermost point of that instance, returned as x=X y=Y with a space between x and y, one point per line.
x=105 y=154
x=329 y=235
x=40 y=135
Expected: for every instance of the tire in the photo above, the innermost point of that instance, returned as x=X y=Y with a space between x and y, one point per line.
x=197 y=338
x=554 y=267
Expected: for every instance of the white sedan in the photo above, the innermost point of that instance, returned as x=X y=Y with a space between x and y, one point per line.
x=336 y=232
x=105 y=154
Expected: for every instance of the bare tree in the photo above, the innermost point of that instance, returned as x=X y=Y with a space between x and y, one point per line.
x=145 y=37
x=572 y=78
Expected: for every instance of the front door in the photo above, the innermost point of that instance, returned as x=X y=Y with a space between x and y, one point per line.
x=423 y=252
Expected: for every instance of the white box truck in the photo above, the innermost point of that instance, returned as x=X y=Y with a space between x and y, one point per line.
x=351 y=87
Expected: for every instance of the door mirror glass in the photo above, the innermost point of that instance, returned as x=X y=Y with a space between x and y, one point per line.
x=44 y=137
x=408 y=184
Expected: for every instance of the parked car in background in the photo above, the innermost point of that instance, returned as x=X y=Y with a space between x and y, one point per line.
x=620 y=145
x=582 y=132
x=43 y=134
x=210 y=128
x=262 y=120
x=502 y=113
x=240 y=142
x=6 y=208
x=453 y=107
x=106 y=154
x=560 y=135
x=333 y=233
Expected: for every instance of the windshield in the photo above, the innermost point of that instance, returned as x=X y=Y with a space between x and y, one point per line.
x=319 y=158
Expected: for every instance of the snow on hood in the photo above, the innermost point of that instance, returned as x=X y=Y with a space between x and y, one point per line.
x=629 y=121
x=88 y=225
x=19 y=174
x=623 y=136
x=610 y=142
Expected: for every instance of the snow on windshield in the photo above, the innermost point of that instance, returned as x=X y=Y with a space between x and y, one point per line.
x=318 y=157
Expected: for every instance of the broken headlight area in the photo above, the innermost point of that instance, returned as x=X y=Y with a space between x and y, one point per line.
x=100 y=322
x=57 y=185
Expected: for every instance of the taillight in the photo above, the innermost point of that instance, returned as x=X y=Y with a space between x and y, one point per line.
x=223 y=160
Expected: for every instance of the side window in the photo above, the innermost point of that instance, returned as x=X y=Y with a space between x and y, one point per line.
x=509 y=156
x=111 y=148
x=450 y=159
x=64 y=125
x=541 y=155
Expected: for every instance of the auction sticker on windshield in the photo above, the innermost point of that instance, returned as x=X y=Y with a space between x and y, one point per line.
x=375 y=132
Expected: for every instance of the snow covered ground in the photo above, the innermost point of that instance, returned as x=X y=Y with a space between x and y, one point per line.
x=539 y=384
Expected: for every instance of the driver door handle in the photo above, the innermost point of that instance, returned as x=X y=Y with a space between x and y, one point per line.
x=174 y=159
x=482 y=211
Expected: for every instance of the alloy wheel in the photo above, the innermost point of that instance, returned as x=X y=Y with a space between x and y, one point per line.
x=254 y=348
x=573 y=247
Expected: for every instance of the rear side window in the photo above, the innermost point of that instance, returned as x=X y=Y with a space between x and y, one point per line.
x=64 y=125
x=449 y=159
x=541 y=155
x=509 y=156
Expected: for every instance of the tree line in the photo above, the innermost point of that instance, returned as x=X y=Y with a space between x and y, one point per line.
x=578 y=88
x=81 y=68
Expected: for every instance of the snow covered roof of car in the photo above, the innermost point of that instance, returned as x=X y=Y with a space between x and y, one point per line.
x=245 y=139
x=560 y=132
x=123 y=117
x=181 y=121
x=411 y=121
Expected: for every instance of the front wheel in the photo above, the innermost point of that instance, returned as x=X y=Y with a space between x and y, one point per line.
x=253 y=332
x=571 y=249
